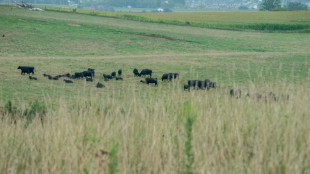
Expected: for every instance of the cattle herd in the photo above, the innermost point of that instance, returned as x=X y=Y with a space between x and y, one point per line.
x=195 y=84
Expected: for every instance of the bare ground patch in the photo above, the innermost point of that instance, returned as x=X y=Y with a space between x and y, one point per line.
x=157 y=36
x=74 y=25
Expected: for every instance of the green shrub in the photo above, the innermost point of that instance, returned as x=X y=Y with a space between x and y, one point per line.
x=296 y=6
x=35 y=109
x=113 y=162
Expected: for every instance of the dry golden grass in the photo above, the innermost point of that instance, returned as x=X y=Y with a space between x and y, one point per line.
x=229 y=135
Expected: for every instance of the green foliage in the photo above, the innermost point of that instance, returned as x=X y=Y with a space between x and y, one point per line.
x=269 y=5
x=190 y=115
x=35 y=109
x=295 y=6
x=243 y=7
x=113 y=162
x=167 y=10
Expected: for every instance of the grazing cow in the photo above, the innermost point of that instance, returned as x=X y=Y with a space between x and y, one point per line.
x=136 y=72
x=78 y=75
x=186 y=87
x=64 y=75
x=213 y=85
x=113 y=74
x=164 y=77
x=118 y=78
x=105 y=76
x=89 y=79
x=55 y=78
x=32 y=78
x=119 y=72
x=199 y=84
x=92 y=71
x=26 y=69
x=151 y=80
x=68 y=81
x=45 y=75
x=100 y=85
x=235 y=93
x=145 y=72
x=87 y=74
x=169 y=76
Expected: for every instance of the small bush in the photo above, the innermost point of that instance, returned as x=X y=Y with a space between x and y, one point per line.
x=243 y=7
x=296 y=6
x=10 y=110
x=74 y=10
x=113 y=162
x=35 y=109
x=167 y=10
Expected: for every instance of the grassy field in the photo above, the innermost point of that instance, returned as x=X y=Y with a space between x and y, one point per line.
x=285 y=21
x=129 y=127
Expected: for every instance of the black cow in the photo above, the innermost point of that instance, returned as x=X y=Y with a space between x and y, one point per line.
x=119 y=72
x=78 y=75
x=151 y=80
x=145 y=72
x=55 y=78
x=89 y=79
x=169 y=76
x=106 y=76
x=87 y=74
x=68 y=81
x=113 y=74
x=199 y=84
x=32 y=78
x=92 y=71
x=100 y=85
x=26 y=69
x=165 y=77
x=186 y=87
x=196 y=83
x=235 y=93
x=213 y=85
x=118 y=78
x=136 y=72
x=63 y=75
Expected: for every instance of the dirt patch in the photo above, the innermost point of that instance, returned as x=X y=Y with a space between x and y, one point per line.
x=74 y=25
x=156 y=36
x=24 y=20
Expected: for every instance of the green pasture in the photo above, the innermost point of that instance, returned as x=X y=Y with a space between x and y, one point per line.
x=58 y=43
x=285 y=21
x=48 y=126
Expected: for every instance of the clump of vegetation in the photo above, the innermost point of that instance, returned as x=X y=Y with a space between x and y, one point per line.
x=35 y=109
x=113 y=161
x=270 y=5
x=190 y=116
x=295 y=6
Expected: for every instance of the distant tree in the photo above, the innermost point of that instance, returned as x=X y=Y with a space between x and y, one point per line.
x=270 y=4
x=297 y=6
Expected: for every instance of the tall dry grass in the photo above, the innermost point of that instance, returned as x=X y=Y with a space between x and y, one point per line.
x=165 y=130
